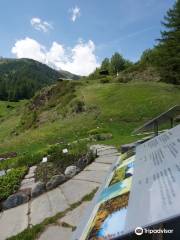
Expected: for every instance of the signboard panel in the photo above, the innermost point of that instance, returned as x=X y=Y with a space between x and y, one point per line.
x=141 y=191
x=155 y=194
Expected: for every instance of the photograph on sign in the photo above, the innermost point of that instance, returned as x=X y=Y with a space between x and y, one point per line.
x=109 y=214
x=109 y=221
x=122 y=172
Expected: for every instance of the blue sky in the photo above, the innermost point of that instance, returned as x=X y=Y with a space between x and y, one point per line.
x=98 y=29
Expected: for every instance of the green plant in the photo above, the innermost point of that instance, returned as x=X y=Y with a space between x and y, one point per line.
x=102 y=136
x=104 y=80
x=30 y=159
x=45 y=171
x=10 y=182
x=78 y=106
x=26 y=159
x=97 y=131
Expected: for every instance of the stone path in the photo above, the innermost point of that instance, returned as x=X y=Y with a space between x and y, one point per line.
x=29 y=180
x=15 y=220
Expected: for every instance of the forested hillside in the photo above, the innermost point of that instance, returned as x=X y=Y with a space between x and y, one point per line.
x=21 y=78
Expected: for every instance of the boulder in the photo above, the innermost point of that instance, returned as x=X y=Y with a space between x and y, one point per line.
x=15 y=200
x=38 y=189
x=55 y=181
x=127 y=147
x=26 y=191
x=82 y=162
x=71 y=171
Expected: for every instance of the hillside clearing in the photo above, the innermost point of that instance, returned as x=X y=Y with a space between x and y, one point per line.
x=116 y=108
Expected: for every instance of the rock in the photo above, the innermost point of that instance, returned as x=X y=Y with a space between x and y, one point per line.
x=38 y=189
x=26 y=191
x=2 y=173
x=87 y=159
x=127 y=147
x=15 y=200
x=71 y=171
x=27 y=183
x=31 y=172
x=82 y=162
x=55 y=181
x=32 y=169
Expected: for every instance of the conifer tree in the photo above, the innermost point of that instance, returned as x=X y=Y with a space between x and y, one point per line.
x=169 y=46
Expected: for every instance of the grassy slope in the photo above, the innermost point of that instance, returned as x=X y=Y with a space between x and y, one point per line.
x=9 y=117
x=119 y=108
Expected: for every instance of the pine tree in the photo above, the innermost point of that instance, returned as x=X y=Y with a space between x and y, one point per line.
x=105 y=65
x=169 y=46
x=117 y=63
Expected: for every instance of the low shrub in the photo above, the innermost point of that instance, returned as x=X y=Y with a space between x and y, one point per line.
x=78 y=106
x=104 y=80
x=29 y=159
x=107 y=79
x=26 y=159
x=97 y=131
x=10 y=182
x=45 y=171
x=59 y=161
x=102 y=136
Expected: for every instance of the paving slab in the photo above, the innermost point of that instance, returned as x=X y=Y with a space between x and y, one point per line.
x=75 y=190
x=75 y=216
x=56 y=233
x=40 y=209
x=98 y=167
x=92 y=176
x=47 y=205
x=57 y=201
x=31 y=172
x=13 y=221
x=27 y=183
x=107 y=159
x=108 y=151
x=100 y=146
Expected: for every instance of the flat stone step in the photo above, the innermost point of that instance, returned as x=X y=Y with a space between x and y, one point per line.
x=27 y=183
x=31 y=172
x=107 y=152
x=47 y=205
x=75 y=216
x=75 y=190
x=55 y=232
x=107 y=159
x=92 y=176
x=96 y=166
x=13 y=221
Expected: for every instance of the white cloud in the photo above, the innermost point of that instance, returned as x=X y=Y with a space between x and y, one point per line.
x=40 y=25
x=29 y=48
x=75 y=13
x=80 y=59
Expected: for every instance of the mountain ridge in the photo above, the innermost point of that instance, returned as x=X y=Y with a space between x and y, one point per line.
x=21 y=78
